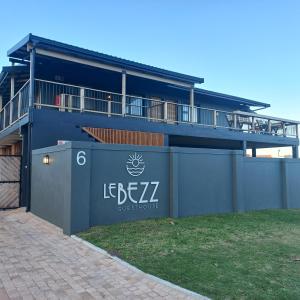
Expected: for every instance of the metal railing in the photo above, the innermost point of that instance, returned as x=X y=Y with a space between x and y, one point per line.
x=76 y=99
x=16 y=108
x=71 y=98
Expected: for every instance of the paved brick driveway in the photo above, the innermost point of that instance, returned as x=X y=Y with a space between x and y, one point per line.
x=38 y=262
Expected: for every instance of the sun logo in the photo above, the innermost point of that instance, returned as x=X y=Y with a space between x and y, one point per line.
x=135 y=164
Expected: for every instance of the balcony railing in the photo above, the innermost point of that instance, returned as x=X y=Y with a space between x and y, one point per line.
x=16 y=108
x=76 y=99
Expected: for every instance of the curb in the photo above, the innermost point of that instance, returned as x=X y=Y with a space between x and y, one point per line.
x=129 y=266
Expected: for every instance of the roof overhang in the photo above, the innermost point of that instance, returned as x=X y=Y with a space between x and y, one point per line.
x=231 y=98
x=20 y=52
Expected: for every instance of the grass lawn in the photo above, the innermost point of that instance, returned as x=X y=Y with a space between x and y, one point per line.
x=235 y=256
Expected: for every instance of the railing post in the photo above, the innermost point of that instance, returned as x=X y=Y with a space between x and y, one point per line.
x=283 y=129
x=269 y=126
x=4 y=117
x=81 y=99
x=297 y=131
x=234 y=121
x=166 y=111
x=109 y=106
x=19 y=104
x=215 y=118
x=123 y=93
x=10 y=111
x=12 y=87
x=192 y=104
x=62 y=102
x=252 y=125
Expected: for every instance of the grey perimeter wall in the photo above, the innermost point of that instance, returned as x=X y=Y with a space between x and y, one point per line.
x=87 y=184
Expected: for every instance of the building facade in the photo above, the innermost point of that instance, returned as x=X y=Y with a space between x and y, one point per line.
x=54 y=91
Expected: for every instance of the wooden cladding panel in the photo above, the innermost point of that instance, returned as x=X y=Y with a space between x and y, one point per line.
x=115 y=136
x=15 y=149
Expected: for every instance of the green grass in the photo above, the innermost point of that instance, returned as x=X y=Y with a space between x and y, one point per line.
x=235 y=256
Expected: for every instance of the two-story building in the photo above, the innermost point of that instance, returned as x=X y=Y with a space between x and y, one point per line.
x=54 y=91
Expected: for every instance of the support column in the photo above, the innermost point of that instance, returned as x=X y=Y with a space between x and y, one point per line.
x=244 y=148
x=31 y=79
x=192 y=104
x=295 y=151
x=253 y=152
x=123 y=93
x=1 y=102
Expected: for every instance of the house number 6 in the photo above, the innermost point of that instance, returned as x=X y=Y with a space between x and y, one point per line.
x=81 y=159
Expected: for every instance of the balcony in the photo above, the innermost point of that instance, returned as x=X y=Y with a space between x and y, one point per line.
x=76 y=99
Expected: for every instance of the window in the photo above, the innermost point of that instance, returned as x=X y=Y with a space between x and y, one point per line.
x=185 y=113
x=134 y=106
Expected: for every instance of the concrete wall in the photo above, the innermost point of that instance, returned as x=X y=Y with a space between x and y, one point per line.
x=88 y=184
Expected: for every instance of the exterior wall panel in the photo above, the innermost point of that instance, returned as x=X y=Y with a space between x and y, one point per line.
x=89 y=184
x=262 y=183
x=204 y=184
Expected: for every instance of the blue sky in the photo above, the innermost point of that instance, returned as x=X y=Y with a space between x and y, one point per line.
x=245 y=48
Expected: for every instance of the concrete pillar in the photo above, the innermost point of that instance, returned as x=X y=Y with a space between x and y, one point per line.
x=295 y=151
x=253 y=152
x=123 y=93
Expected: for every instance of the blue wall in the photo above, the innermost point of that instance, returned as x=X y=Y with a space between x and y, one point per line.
x=77 y=192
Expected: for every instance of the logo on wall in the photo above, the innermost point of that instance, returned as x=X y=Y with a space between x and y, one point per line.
x=135 y=164
x=133 y=195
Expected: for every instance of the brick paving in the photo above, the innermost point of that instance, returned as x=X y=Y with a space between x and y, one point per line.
x=38 y=262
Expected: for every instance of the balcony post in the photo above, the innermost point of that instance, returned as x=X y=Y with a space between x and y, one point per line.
x=81 y=99
x=12 y=87
x=165 y=111
x=234 y=121
x=4 y=118
x=31 y=79
x=109 y=106
x=10 y=112
x=123 y=93
x=297 y=130
x=215 y=118
x=283 y=129
x=269 y=126
x=19 y=104
x=252 y=125
x=192 y=104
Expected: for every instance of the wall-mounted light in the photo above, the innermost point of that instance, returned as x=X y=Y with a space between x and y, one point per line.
x=46 y=159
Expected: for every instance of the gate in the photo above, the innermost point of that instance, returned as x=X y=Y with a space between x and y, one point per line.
x=10 y=181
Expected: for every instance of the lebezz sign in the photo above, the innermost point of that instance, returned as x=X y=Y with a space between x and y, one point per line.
x=133 y=195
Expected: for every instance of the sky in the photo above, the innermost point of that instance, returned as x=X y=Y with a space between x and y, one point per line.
x=247 y=48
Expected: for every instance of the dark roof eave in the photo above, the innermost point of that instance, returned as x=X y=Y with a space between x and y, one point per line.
x=232 y=98
x=19 y=45
x=96 y=56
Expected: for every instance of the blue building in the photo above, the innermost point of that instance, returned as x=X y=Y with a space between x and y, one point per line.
x=54 y=91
